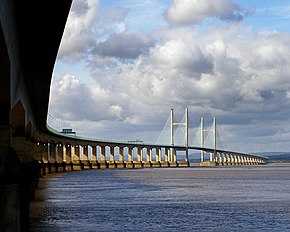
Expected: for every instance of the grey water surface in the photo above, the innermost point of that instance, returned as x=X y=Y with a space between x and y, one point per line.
x=240 y=198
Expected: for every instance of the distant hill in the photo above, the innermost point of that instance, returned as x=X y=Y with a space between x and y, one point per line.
x=276 y=156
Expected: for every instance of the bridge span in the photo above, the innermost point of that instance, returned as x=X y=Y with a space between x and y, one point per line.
x=67 y=152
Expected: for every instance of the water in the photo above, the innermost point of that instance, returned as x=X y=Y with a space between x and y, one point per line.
x=248 y=198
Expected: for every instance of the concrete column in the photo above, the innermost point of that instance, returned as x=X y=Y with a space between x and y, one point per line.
x=201 y=156
x=45 y=154
x=228 y=159
x=60 y=153
x=52 y=153
x=166 y=156
x=214 y=157
x=121 y=154
x=85 y=153
x=236 y=160
x=233 y=159
x=129 y=162
x=68 y=153
x=143 y=153
x=72 y=152
x=94 y=154
x=224 y=159
x=211 y=158
x=220 y=157
x=64 y=153
x=56 y=152
x=158 y=154
x=239 y=159
x=102 y=153
x=76 y=154
x=148 y=154
x=139 y=154
x=174 y=156
x=130 y=154
x=252 y=161
x=169 y=155
x=112 y=158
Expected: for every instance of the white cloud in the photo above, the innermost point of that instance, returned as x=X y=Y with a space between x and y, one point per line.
x=229 y=71
x=123 y=45
x=77 y=36
x=194 y=11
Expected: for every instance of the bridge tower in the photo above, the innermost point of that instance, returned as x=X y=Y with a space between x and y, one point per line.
x=172 y=124
x=202 y=137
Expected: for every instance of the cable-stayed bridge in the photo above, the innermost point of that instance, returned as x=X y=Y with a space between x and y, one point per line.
x=171 y=149
x=28 y=54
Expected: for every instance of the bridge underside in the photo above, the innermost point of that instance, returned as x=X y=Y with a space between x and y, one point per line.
x=30 y=36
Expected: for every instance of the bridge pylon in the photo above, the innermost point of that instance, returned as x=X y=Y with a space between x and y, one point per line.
x=202 y=139
x=172 y=124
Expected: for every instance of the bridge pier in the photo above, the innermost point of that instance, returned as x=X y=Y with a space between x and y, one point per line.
x=156 y=162
x=76 y=160
x=146 y=163
x=129 y=164
x=94 y=154
x=229 y=159
x=68 y=157
x=208 y=164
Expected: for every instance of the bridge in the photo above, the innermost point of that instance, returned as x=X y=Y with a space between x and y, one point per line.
x=28 y=49
x=28 y=52
x=65 y=150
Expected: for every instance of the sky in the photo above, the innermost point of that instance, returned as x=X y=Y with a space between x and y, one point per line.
x=122 y=65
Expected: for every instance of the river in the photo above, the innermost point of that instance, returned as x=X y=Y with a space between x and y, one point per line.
x=237 y=198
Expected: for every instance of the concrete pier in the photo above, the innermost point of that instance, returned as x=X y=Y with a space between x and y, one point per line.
x=208 y=164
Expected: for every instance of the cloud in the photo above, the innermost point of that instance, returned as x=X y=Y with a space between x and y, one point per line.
x=124 y=45
x=229 y=71
x=176 y=54
x=218 y=73
x=195 y=11
x=83 y=102
x=78 y=36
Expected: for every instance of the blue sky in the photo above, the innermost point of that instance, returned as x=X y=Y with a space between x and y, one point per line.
x=269 y=15
x=122 y=66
